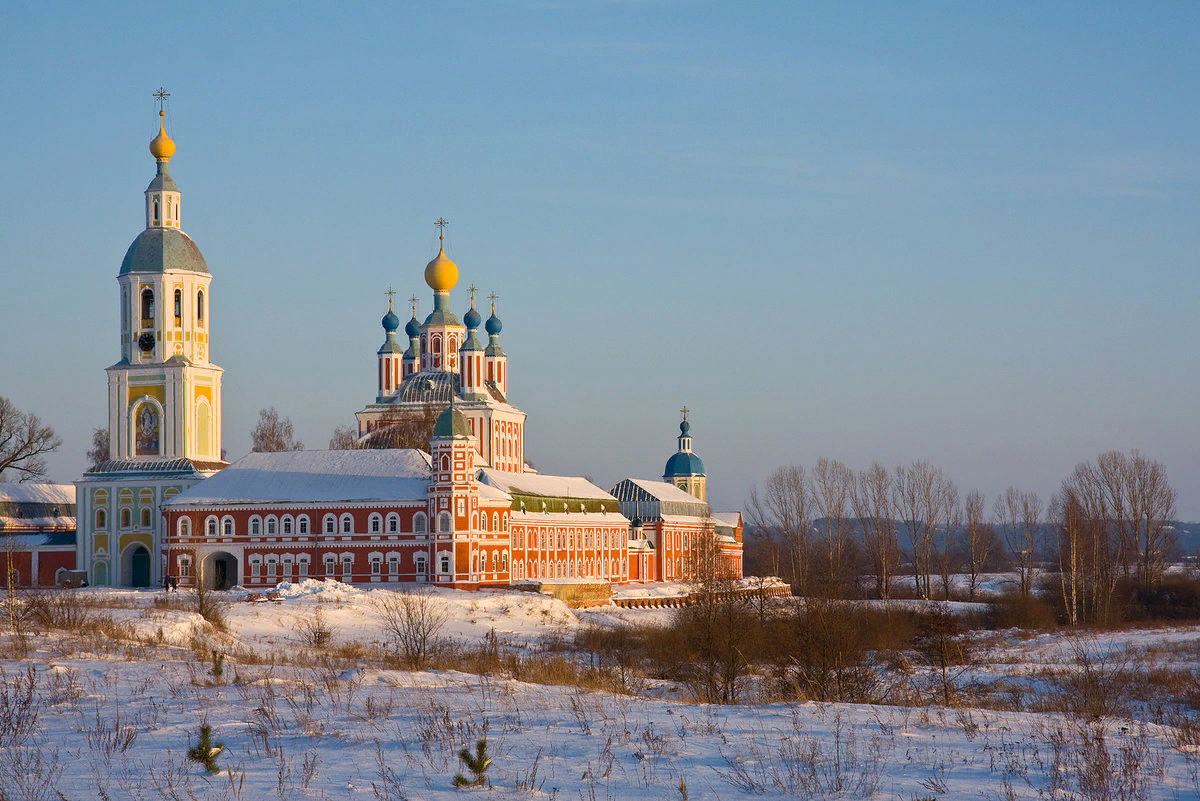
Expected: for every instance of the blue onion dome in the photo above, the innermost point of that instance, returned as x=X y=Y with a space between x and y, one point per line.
x=390 y=321
x=413 y=328
x=493 y=325
x=472 y=319
x=684 y=428
x=684 y=464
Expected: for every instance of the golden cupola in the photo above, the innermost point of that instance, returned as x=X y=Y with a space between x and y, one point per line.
x=441 y=274
x=162 y=147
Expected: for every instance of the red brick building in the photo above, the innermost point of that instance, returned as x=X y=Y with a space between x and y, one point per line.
x=37 y=527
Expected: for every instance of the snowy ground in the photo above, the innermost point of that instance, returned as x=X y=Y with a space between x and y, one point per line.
x=115 y=722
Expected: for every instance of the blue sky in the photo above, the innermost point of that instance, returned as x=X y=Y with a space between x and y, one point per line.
x=864 y=231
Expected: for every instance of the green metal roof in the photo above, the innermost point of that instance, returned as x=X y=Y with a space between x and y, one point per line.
x=157 y=250
x=451 y=424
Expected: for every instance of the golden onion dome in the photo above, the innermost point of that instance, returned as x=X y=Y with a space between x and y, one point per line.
x=162 y=147
x=441 y=274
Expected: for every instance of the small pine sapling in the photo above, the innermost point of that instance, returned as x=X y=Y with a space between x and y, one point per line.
x=477 y=764
x=206 y=751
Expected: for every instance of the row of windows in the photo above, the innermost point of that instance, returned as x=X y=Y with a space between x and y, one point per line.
x=330 y=524
x=126 y=518
x=569 y=538
x=148 y=304
x=592 y=568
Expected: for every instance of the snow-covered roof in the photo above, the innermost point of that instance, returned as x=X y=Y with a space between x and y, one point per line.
x=37 y=493
x=664 y=491
x=315 y=477
x=570 y=518
x=541 y=484
x=730 y=519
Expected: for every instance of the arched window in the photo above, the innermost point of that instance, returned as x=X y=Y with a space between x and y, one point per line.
x=211 y=525
x=445 y=463
x=145 y=518
x=376 y=523
x=393 y=523
x=271 y=526
x=227 y=527
x=495 y=521
x=185 y=527
x=147 y=304
x=347 y=524
x=302 y=524
x=126 y=518
x=330 y=524
x=200 y=305
x=444 y=522
x=286 y=524
x=101 y=518
x=178 y=304
x=154 y=217
x=420 y=523
x=255 y=526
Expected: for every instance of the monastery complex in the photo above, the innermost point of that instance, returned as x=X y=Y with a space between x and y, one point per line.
x=465 y=511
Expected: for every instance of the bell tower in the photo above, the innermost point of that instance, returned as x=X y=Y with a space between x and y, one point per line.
x=164 y=395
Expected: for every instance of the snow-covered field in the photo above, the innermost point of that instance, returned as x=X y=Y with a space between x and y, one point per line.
x=114 y=720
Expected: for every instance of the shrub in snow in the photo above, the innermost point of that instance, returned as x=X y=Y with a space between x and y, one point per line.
x=206 y=751
x=477 y=764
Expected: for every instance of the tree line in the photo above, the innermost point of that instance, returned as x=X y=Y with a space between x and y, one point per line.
x=836 y=532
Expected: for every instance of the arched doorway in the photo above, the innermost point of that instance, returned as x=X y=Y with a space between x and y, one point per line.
x=139 y=567
x=221 y=571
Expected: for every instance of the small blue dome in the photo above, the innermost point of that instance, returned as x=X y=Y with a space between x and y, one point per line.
x=390 y=321
x=684 y=464
x=472 y=319
x=413 y=328
x=684 y=428
x=493 y=325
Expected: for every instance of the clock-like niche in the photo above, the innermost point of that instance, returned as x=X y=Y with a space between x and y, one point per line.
x=146 y=342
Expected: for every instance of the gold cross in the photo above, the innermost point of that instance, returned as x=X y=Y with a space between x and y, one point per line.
x=493 y=298
x=441 y=223
x=162 y=95
x=413 y=301
x=389 y=293
x=472 y=289
x=684 y=411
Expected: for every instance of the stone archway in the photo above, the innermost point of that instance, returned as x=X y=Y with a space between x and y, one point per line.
x=220 y=571
x=135 y=566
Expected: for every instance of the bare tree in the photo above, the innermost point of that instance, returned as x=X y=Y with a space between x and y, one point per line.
x=344 y=438
x=403 y=428
x=414 y=619
x=1010 y=512
x=719 y=624
x=918 y=496
x=1151 y=508
x=24 y=442
x=871 y=498
x=832 y=484
x=952 y=514
x=273 y=434
x=977 y=544
x=783 y=510
x=100 y=444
